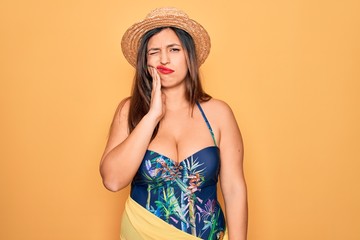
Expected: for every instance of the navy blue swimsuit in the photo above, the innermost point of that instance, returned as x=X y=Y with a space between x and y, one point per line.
x=183 y=194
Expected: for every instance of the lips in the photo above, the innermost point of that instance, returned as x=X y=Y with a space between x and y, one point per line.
x=164 y=70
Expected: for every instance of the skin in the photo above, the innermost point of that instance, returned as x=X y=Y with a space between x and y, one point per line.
x=170 y=107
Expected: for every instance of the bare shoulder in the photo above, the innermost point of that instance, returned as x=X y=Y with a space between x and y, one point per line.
x=222 y=120
x=122 y=110
x=217 y=109
x=119 y=125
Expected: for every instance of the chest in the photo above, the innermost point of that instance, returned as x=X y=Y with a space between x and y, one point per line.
x=198 y=169
x=181 y=135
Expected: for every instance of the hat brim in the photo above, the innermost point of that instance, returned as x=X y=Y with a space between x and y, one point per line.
x=132 y=37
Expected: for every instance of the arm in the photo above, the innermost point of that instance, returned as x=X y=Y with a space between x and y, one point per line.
x=231 y=175
x=124 y=152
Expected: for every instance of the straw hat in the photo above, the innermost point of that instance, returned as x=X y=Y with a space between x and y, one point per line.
x=165 y=17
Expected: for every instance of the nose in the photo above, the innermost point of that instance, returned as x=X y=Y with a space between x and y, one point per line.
x=164 y=58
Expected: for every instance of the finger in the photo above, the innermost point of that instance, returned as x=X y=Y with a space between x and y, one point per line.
x=151 y=71
x=157 y=79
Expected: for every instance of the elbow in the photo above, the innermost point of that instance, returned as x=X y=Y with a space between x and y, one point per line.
x=114 y=181
x=114 y=184
x=111 y=186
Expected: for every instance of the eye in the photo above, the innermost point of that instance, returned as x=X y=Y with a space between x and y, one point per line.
x=153 y=52
x=174 y=49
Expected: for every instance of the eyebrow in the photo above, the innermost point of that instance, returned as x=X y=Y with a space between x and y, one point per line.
x=168 y=46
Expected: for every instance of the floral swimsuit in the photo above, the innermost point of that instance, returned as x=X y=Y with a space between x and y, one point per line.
x=183 y=194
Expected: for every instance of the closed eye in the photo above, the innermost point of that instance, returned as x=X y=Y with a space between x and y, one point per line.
x=153 y=52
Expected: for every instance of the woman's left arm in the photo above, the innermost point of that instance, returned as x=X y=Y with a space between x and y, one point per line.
x=232 y=179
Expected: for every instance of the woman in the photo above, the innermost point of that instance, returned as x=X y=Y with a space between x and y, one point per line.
x=162 y=142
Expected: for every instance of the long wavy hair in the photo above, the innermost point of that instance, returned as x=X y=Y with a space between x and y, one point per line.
x=142 y=86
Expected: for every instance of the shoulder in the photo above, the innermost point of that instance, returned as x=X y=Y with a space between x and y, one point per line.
x=219 y=113
x=218 y=109
x=224 y=120
x=122 y=110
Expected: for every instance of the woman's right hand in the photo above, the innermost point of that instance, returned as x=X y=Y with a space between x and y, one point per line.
x=157 y=102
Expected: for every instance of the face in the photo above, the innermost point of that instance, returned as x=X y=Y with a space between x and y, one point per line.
x=166 y=54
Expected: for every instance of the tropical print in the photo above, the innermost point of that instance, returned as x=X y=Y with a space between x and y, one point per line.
x=184 y=194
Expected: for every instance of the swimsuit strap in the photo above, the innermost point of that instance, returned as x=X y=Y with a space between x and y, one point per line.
x=207 y=122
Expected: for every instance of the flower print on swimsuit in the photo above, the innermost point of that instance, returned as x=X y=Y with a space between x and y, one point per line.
x=173 y=194
x=182 y=194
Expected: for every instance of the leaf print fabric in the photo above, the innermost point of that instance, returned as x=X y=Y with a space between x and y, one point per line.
x=184 y=194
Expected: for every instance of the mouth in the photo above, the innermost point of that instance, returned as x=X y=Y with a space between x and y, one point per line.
x=164 y=70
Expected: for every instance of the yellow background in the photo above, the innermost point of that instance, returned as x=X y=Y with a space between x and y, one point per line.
x=289 y=69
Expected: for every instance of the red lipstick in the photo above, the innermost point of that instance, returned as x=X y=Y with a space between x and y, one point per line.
x=164 y=70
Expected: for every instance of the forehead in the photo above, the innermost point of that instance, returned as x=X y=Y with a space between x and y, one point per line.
x=163 y=38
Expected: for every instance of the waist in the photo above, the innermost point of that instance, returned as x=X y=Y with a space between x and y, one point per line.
x=195 y=211
x=146 y=194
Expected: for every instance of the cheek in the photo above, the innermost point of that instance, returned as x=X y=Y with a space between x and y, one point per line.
x=149 y=60
x=183 y=71
x=184 y=66
x=152 y=59
x=180 y=61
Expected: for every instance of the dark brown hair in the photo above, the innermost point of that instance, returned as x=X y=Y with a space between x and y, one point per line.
x=141 y=91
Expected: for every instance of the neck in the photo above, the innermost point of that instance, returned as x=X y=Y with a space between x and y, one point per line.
x=175 y=98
